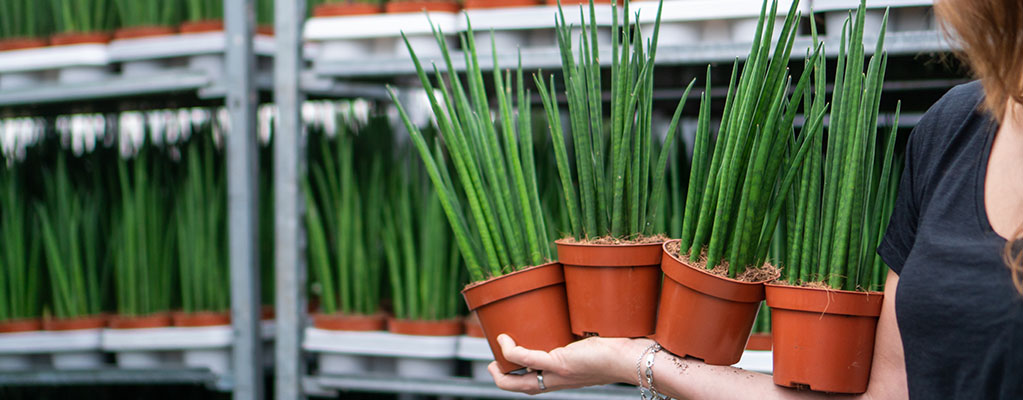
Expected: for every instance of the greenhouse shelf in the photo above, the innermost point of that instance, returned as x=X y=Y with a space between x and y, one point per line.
x=897 y=44
x=114 y=376
x=170 y=82
x=457 y=387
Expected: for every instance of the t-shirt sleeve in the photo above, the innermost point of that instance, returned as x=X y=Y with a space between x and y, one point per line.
x=901 y=233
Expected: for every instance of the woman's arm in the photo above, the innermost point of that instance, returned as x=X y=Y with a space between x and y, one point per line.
x=596 y=361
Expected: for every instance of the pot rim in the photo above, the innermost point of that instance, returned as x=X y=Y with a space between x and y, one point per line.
x=824 y=301
x=701 y=280
x=407 y=326
x=475 y=300
x=562 y=242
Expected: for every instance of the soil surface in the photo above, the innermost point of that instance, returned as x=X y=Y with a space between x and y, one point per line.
x=763 y=273
x=639 y=239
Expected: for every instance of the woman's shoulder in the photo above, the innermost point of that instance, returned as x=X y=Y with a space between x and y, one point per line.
x=952 y=130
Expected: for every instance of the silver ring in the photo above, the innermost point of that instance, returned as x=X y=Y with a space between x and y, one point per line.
x=539 y=380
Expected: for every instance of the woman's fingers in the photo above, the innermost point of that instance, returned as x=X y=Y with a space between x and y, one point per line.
x=535 y=359
x=517 y=383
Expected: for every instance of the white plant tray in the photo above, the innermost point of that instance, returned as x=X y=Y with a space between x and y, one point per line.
x=705 y=10
x=474 y=349
x=54 y=57
x=378 y=26
x=834 y=5
x=183 y=45
x=39 y=342
x=380 y=343
x=539 y=17
x=174 y=338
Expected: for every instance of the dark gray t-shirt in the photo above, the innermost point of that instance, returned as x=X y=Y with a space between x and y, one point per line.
x=960 y=317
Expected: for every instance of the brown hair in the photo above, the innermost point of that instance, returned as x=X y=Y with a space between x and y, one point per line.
x=990 y=36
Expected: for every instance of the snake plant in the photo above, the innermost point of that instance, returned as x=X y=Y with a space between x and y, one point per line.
x=143 y=254
x=149 y=13
x=738 y=182
x=201 y=10
x=82 y=16
x=847 y=187
x=19 y=250
x=25 y=19
x=201 y=228
x=70 y=221
x=497 y=224
x=617 y=189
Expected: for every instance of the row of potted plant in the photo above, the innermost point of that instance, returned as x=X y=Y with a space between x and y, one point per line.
x=609 y=280
x=145 y=233
x=31 y=24
x=334 y=8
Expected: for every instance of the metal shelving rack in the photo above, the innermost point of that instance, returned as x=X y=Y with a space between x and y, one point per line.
x=291 y=83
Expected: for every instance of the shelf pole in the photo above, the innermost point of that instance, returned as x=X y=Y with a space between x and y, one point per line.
x=243 y=200
x=290 y=269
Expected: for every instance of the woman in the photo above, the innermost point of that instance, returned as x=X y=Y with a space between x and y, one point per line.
x=952 y=321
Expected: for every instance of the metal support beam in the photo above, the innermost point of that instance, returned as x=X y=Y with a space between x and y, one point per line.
x=289 y=17
x=242 y=197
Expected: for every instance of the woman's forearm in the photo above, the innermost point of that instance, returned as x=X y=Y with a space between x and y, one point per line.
x=687 y=378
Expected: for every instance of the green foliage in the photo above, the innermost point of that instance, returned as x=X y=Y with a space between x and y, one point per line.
x=265 y=12
x=847 y=188
x=737 y=187
x=200 y=10
x=422 y=259
x=617 y=193
x=70 y=226
x=496 y=225
x=25 y=19
x=343 y=253
x=152 y=12
x=19 y=250
x=82 y=16
x=142 y=252
x=201 y=222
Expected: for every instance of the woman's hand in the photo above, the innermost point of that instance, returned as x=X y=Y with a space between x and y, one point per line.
x=591 y=361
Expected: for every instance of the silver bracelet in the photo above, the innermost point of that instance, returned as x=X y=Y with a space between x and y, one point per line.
x=648 y=393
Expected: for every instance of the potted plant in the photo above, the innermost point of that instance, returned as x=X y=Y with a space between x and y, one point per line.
x=484 y=4
x=423 y=266
x=81 y=21
x=419 y=6
x=494 y=217
x=70 y=220
x=715 y=272
x=265 y=17
x=343 y=197
x=339 y=8
x=143 y=256
x=611 y=254
x=200 y=219
x=203 y=16
x=147 y=18
x=826 y=306
x=19 y=266
x=23 y=25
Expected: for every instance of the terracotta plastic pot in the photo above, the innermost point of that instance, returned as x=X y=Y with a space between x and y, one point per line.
x=22 y=43
x=71 y=324
x=143 y=31
x=345 y=9
x=473 y=327
x=267 y=313
x=158 y=320
x=448 y=327
x=759 y=342
x=209 y=25
x=418 y=6
x=202 y=318
x=347 y=322
x=529 y=305
x=823 y=339
x=703 y=315
x=267 y=30
x=63 y=39
x=612 y=289
x=579 y=2
x=21 y=325
x=474 y=4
